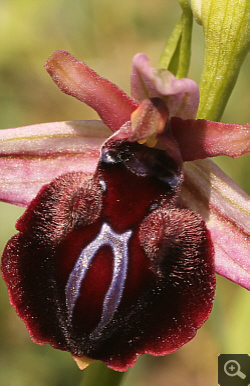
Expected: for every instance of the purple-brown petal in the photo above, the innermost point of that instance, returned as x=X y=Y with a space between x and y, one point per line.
x=180 y=95
x=200 y=139
x=75 y=78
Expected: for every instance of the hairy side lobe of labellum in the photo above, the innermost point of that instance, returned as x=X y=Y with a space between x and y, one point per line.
x=108 y=265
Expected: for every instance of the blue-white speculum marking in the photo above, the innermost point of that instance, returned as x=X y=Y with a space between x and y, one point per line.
x=119 y=245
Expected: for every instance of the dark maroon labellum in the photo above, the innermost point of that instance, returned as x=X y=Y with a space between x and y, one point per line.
x=109 y=266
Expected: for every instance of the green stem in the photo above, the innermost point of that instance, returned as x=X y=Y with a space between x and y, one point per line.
x=185 y=44
x=177 y=52
x=97 y=374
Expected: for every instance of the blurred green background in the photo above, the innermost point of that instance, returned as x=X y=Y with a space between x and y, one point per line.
x=106 y=35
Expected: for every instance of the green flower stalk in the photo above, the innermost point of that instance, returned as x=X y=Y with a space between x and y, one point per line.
x=226 y=25
x=177 y=51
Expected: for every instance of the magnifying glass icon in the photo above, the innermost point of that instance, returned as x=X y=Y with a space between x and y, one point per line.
x=232 y=368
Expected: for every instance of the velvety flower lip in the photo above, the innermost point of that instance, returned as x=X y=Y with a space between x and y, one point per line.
x=129 y=210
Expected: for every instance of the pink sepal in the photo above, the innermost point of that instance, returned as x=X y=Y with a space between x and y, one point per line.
x=226 y=210
x=32 y=156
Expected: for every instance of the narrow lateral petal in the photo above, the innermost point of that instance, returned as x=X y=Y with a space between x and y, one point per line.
x=226 y=210
x=200 y=139
x=180 y=95
x=75 y=78
x=32 y=156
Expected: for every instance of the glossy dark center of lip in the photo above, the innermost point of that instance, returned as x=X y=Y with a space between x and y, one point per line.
x=119 y=245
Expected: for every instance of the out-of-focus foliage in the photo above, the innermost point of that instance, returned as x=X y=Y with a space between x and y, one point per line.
x=105 y=34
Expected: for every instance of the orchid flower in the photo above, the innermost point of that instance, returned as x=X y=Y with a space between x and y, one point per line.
x=127 y=220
